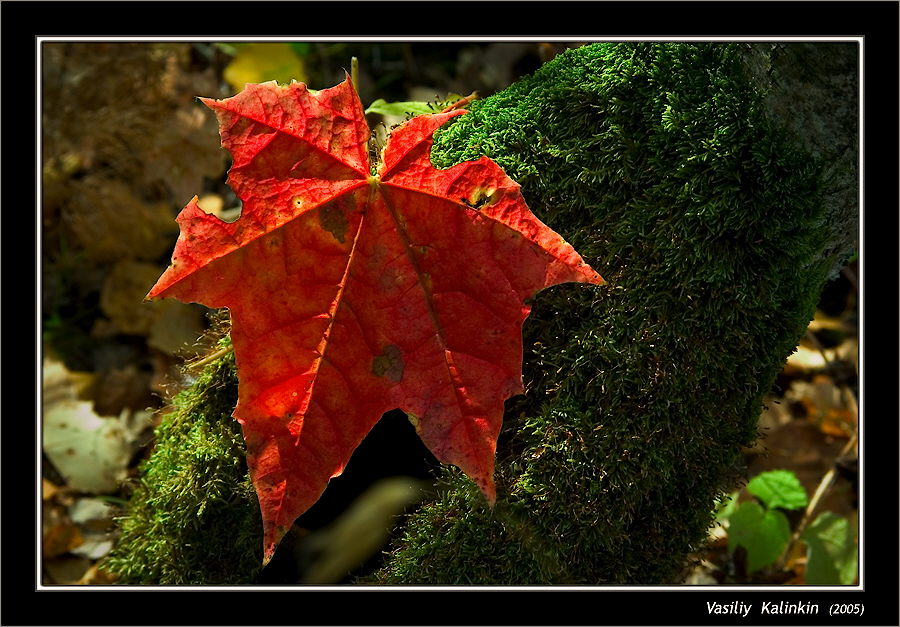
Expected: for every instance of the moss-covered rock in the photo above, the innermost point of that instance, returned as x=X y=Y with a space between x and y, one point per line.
x=664 y=166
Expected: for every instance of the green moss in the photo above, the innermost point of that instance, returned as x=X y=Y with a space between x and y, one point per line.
x=193 y=517
x=662 y=165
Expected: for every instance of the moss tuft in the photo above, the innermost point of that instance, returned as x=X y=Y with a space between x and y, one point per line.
x=193 y=517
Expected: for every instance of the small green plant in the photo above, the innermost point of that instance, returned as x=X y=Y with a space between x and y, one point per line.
x=763 y=529
x=405 y=108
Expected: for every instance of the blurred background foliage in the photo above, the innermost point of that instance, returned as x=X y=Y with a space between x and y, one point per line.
x=125 y=144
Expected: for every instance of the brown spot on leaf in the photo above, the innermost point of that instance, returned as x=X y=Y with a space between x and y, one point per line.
x=334 y=220
x=389 y=364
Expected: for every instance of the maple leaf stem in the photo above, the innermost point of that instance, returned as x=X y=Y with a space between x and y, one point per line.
x=354 y=73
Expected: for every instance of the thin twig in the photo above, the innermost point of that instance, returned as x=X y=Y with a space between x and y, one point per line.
x=827 y=480
x=211 y=358
x=459 y=104
x=821 y=490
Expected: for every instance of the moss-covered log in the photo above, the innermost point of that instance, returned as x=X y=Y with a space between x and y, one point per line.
x=716 y=227
x=192 y=518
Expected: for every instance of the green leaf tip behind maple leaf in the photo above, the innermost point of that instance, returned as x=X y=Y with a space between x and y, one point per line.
x=353 y=294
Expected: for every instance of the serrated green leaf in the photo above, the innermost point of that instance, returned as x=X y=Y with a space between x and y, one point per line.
x=399 y=108
x=763 y=533
x=832 y=550
x=778 y=488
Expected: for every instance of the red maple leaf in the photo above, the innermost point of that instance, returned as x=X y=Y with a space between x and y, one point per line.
x=354 y=293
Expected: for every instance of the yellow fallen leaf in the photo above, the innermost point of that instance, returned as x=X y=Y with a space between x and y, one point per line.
x=261 y=62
